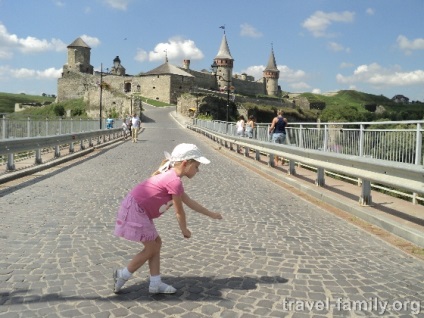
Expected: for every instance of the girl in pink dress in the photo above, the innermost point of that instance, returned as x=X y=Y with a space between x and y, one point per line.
x=149 y=200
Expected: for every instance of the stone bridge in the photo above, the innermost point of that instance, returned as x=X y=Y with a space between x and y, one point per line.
x=275 y=253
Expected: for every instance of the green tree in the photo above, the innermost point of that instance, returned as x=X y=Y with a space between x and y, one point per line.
x=59 y=110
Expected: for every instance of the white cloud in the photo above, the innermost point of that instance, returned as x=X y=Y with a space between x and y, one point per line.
x=336 y=47
x=299 y=86
x=320 y=21
x=141 y=55
x=346 y=65
x=378 y=76
x=370 y=11
x=177 y=49
x=316 y=91
x=408 y=46
x=286 y=74
x=289 y=75
x=249 y=31
x=117 y=4
x=90 y=41
x=24 y=73
x=31 y=44
x=10 y=43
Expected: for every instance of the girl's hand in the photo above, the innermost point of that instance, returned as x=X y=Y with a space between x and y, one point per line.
x=186 y=233
x=215 y=215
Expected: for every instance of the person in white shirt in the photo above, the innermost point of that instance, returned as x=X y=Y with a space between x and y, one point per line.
x=135 y=127
x=125 y=128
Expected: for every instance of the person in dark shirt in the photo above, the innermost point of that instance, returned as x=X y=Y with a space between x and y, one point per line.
x=278 y=131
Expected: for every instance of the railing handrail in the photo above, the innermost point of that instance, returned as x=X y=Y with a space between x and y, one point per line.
x=23 y=128
x=402 y=144
x=396 y=174
x=11 y=146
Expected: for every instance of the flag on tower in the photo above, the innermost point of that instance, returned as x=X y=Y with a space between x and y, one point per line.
x=222 y=27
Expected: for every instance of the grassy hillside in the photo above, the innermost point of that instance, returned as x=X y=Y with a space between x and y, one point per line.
x=346 y=105
x=77 y=107
x=8 y=100
x=350 y=105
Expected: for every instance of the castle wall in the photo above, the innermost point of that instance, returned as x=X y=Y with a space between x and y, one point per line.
x=204 y=80
x=242 y=86
x=248 y=87
x=156 y=87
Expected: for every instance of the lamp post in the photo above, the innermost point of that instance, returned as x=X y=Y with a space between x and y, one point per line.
x=101 y=90
x=101 y=93
x=214 y=67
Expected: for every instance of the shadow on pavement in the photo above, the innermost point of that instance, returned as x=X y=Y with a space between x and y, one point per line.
x=188 y=289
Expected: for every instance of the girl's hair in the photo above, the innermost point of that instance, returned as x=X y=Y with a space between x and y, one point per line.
x=161 y=164
x=165 y=161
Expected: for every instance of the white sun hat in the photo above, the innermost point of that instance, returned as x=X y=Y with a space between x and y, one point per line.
x=183 y=152
x=186 y=152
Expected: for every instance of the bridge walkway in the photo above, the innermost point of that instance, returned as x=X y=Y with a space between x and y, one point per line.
x=274 y=254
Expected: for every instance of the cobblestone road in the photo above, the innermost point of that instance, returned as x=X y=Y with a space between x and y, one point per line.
x=273 y=255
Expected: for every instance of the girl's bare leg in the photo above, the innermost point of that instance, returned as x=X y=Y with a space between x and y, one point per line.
x=151 y=253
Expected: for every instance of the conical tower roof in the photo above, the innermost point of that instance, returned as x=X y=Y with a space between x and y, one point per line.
x=79 y=43
x=224 y=50
x=272 y=66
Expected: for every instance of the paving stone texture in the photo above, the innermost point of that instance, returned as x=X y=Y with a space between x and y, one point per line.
x=273 y=254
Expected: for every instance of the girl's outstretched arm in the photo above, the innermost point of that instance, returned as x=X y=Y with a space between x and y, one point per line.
x=181 y=217
x=199 y=208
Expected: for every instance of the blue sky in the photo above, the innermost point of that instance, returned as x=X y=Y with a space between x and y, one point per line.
x=320 y=46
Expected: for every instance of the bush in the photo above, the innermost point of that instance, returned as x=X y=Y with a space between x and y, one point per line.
x=59 y=110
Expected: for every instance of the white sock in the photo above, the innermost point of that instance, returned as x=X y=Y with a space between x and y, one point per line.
x=155 y=280
x=126 y=274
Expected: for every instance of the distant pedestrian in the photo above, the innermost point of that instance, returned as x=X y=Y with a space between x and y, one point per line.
x=125 y=128
x=240 y=126
x=129 y=124
x=149 y=200
x=278 y=131
x=250 y=126
x=135 y=127
x=109 y=122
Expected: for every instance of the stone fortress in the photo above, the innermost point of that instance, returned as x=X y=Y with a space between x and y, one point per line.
x=117 y=91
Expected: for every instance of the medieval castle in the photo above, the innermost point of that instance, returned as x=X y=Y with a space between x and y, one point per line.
x=122 y=92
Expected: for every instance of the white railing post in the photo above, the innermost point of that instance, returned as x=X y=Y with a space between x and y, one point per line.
x=325 y=137
x=28 y=127
x=418 y=145
x=361 y=140
x=301 y=136
x=3 y=127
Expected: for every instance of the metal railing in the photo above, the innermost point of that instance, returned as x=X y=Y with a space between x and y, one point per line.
x=390 y=146
x=10 y=148
x=357 y=138
x=27 y=128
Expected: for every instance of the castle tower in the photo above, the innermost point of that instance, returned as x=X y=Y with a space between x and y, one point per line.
x=186 y=64
x=224 y=64
x=271 y=75
x=78 y=58
x=117 y=68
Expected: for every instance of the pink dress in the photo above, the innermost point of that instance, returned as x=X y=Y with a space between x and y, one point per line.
x=146 y=201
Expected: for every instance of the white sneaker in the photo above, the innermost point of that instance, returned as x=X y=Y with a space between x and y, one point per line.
x=118 y=281
x=162 y=288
